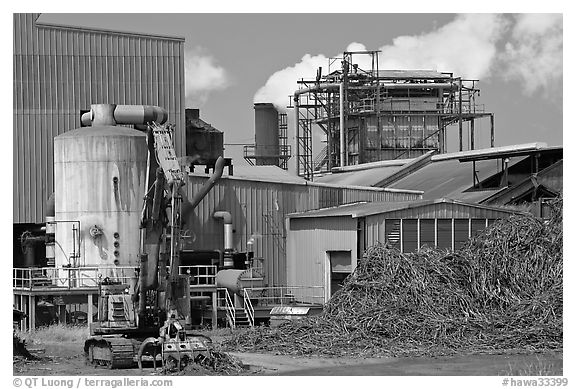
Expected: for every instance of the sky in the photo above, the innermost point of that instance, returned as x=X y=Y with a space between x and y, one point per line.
x=234 y=60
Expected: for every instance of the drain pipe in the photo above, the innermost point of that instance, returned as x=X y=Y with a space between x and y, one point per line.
x=228 y=245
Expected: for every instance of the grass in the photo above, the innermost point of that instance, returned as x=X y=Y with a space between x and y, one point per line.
x=536 y=368
x=57 y=333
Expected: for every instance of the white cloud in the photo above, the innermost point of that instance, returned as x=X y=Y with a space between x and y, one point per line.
x=533 y=54
x=283 y=83
x=203 y=75
x=466 y=46
x=527 y=48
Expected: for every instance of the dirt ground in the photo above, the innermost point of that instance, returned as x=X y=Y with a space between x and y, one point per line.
x=68 y=359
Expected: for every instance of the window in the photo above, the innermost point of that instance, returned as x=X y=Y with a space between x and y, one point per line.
x=427 y=232
x=392 y=227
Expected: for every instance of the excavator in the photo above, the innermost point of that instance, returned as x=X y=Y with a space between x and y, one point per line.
x=150 y=316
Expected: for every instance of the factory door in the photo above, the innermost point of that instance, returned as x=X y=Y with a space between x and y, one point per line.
x=338 y=267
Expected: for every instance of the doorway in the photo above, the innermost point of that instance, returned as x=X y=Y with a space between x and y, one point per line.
x=338 y=267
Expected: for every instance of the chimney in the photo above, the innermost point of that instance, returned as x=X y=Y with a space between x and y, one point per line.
x=192 y=113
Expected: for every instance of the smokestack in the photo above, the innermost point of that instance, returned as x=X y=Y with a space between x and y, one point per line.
x=267 y=150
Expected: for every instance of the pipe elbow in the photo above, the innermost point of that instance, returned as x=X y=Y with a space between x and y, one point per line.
x=224 y=215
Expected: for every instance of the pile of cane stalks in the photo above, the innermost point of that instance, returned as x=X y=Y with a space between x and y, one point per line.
x=501 y=291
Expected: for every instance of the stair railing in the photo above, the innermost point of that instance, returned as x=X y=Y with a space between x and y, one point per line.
x=230 y=309
x=248 y=308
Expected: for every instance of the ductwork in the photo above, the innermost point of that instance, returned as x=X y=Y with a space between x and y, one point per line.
x=189 y=206
x=112 y=114
x=228 y=242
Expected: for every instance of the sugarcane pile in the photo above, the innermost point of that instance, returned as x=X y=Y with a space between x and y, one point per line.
x=501 y=291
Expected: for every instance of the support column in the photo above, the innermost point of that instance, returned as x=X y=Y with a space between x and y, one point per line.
x=214 y=310
x=90 y=309
x=23 y=321
x=62 y=314
x=32 y=310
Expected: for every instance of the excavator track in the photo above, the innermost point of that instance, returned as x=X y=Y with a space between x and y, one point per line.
x=111 y=352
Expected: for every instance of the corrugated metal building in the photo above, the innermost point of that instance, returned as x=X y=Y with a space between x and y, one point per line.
x=259 y=198
x=323 y=246
x=59 y=71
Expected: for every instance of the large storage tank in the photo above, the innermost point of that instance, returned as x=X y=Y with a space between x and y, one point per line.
x=99 y=181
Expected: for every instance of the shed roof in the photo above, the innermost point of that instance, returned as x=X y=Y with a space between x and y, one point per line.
x=274 y=174
x=367 y=177
x=451 y=179
x=373 y=208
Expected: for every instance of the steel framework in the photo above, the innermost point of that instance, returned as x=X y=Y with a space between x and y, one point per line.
x=369 y=115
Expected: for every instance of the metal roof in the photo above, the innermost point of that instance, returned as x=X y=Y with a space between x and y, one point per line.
x=265 y=173
x=368 y=177
x=274 y=174
x=451 y=179
x=373 y=208
x=493 y=152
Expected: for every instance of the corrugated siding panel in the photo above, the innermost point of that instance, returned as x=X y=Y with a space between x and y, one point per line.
x=409 y=235
x=58 y=72
x=427 y=232
x=477 y=226
x=461 y=232
x=308 y=241
x=259 y=209
x=444 y=233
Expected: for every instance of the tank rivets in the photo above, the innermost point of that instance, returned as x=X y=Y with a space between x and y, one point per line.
x=116 y=244
x=116 y=235
x=116 y=253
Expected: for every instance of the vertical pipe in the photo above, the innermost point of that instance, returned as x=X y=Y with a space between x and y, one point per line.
x=472 y=134
x=90 y=309
x=491 y=130
x=342 y=130
x=460 y=113
x=297 y=125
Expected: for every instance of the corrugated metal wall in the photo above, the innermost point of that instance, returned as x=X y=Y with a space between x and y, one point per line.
x=308 y=241
x=259 y=208
x=59 y=71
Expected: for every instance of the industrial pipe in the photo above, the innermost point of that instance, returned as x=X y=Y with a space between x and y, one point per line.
x=342 y=124
x=228 y=243
x=111 y=114
x=189 y=206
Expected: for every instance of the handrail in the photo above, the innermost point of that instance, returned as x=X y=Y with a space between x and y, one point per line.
x=90 y=276
x=248 y=307
x=230 y=309
x=287 y=295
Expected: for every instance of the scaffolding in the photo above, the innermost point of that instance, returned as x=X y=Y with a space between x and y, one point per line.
x=368 y=115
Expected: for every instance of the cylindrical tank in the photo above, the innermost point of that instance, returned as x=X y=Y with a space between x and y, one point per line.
x=99 y=179
x=267 y=150
x=235 y=280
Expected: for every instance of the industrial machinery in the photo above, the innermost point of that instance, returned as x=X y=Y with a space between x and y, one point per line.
x=149 y=314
